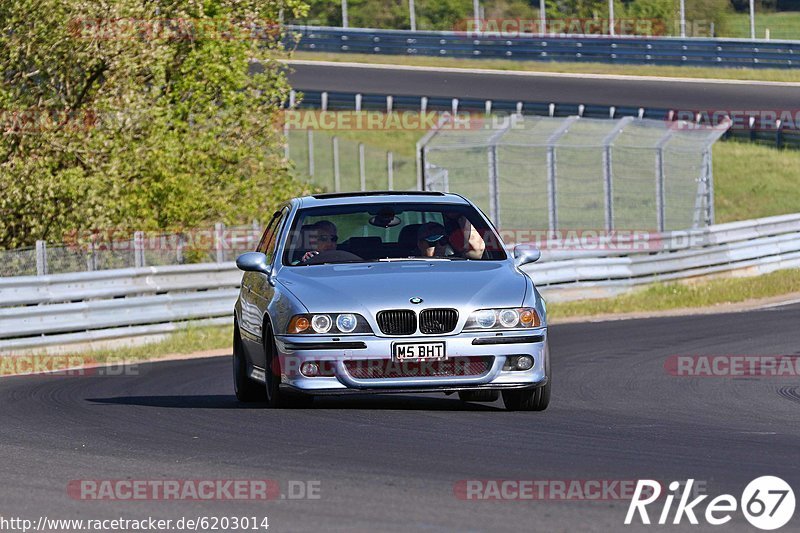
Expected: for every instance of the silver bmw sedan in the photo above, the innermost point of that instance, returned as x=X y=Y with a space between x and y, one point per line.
x=385 y=292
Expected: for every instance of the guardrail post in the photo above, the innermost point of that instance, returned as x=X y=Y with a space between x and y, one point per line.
x=362 y=172
x=219 y=236
x=138 y=249
x=423 y=104
x=390 y=170
x=359 y=97
x=324 y=100
x=41 y=258
x=292 y=99
x=389 y=102
x=337 y=185
x=454 y=105
x=310 y=134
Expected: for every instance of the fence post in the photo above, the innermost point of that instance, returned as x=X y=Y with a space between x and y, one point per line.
x=219 y=235
x=92 y=259
x=138 y=249
x=179 y=249
x=390 y=170
x=286 y=141
x=255 y=236
x=337 y=185
x=552 y=207
x=41 y=258
x=494 y=201
x=660 y=189
x=310 y=134
x=661 y=204
x=362 y=172
x=709 y=179
x=608 y=188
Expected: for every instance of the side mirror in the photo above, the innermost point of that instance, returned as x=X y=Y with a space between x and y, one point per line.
x=525 y=253
x=254 y=262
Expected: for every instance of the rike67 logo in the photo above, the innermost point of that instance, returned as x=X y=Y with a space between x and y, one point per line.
x=767 y=503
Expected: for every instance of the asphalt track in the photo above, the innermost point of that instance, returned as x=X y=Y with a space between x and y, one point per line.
x=389 y=463
x=669 y=93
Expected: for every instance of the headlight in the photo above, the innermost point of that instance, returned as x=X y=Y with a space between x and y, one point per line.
x=499 y=319
x=485 y=318
x=321 y=323
x=346 y=323
x=328 y=323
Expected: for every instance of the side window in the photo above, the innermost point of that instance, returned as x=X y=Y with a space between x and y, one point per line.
x=269 y=239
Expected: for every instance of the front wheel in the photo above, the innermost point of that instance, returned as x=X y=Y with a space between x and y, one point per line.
x=527 y=400
x=245 y=388
x=276 y=398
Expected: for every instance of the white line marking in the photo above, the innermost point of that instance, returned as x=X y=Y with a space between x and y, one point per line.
x=536 y=74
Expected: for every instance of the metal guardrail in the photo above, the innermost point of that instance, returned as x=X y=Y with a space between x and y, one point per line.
x=780 y=136
x=601 y=48
x=62 y=309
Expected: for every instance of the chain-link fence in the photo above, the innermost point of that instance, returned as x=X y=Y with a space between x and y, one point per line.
x=578 y=173
x=336 y=163
x=109 y=250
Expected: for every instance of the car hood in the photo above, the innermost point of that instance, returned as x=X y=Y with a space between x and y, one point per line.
x=371 y=287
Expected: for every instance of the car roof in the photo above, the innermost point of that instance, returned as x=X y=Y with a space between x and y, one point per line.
x=372 y=197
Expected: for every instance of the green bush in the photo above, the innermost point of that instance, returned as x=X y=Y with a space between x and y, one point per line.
x=138 y=115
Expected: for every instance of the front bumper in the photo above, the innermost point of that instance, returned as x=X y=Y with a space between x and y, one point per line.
x=294 y=350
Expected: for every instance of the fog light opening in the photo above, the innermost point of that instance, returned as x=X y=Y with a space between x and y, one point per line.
x=524 y=362
x=310 y=370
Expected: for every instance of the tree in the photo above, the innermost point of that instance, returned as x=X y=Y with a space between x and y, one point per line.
x=132 y=114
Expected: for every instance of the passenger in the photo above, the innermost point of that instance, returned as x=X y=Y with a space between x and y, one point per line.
x=463 y=237
x=319 y=237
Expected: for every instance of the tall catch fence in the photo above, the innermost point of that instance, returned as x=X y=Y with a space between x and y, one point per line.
x=549 y=173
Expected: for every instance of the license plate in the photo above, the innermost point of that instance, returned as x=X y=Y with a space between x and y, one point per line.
x=418 y=351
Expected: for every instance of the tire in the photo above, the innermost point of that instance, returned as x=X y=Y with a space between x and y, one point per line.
x=478 y=395
x=276 y=398
x=246 y=389
x=533 y=399
x=527 y=400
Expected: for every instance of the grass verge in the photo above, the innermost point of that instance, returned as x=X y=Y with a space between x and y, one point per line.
x=185 y=341
x=685 y=295
x=726 y=73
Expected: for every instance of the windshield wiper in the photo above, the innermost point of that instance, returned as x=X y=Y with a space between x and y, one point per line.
x=393 y=259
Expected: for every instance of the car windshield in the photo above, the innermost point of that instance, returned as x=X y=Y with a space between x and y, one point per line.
x=391 y=232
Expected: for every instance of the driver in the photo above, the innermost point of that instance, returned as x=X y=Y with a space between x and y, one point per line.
x=432 y=241
x=320 y=236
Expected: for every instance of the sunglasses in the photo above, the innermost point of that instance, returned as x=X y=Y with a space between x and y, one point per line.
x=327 y=238
x=433 y=239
